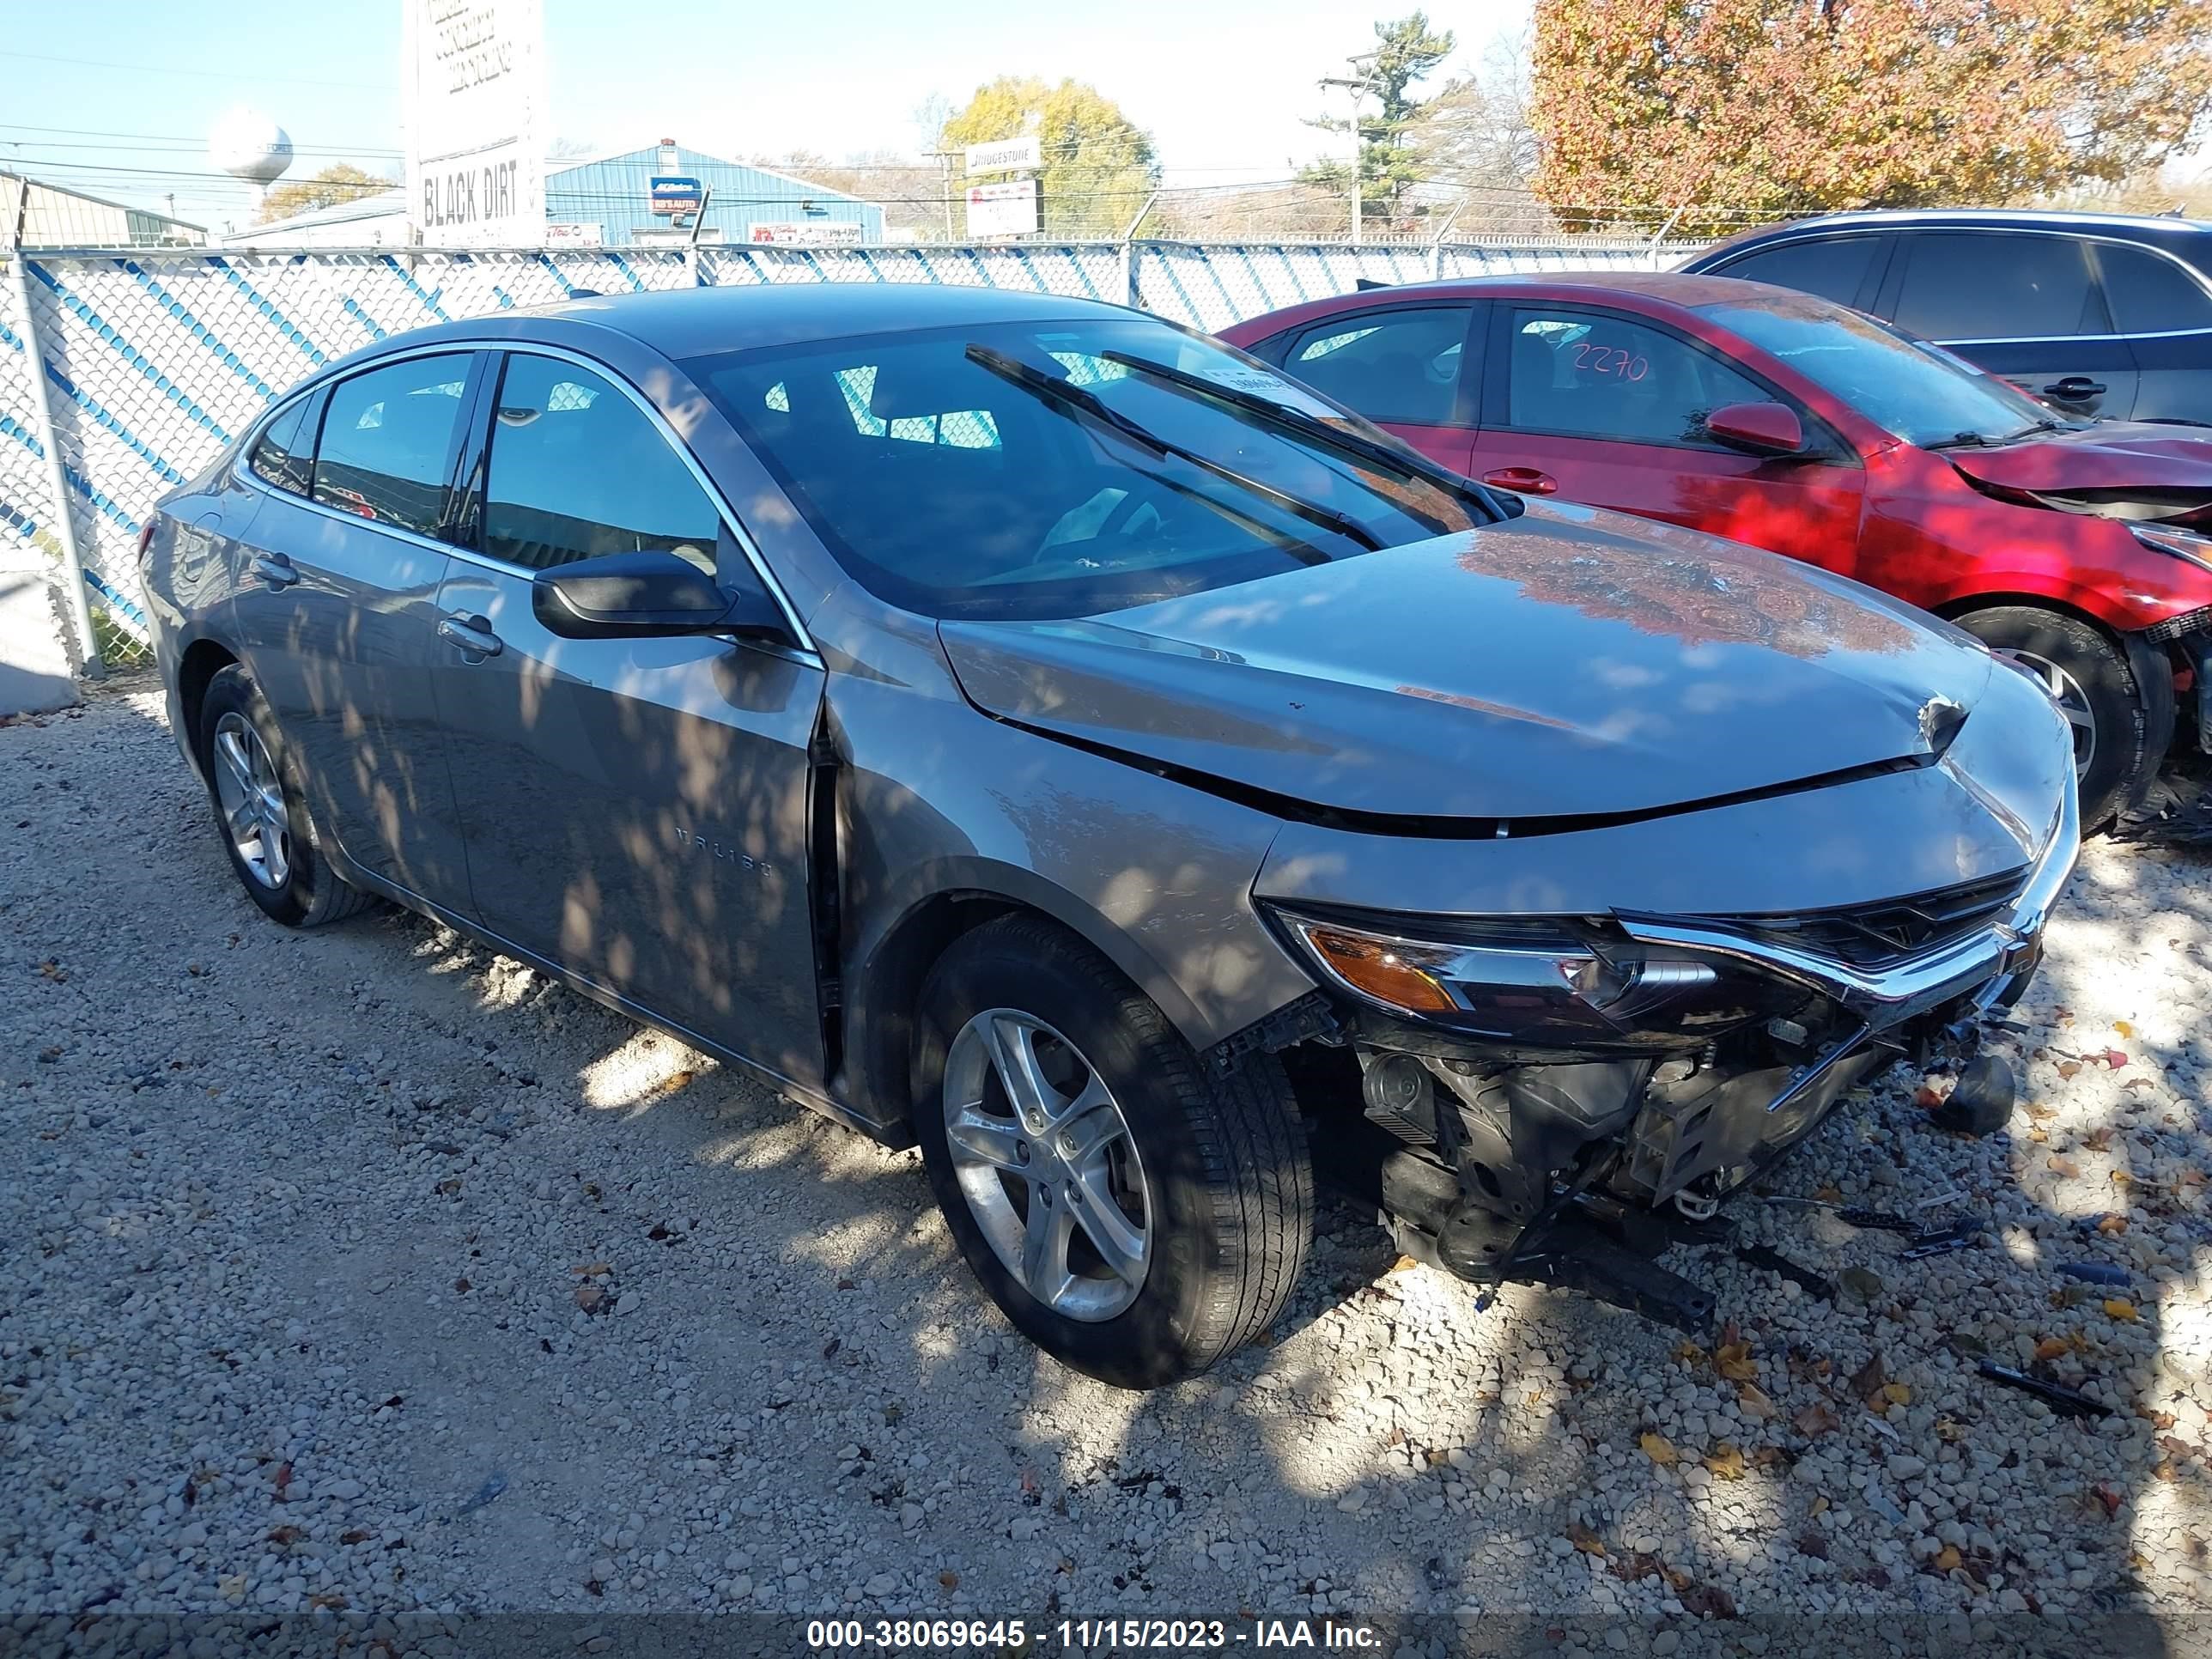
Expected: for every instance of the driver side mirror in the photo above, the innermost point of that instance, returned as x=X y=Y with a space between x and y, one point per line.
x=1758 y=428
x=647 y=596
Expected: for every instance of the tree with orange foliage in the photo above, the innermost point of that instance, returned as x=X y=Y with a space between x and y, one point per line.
x=1779 y=107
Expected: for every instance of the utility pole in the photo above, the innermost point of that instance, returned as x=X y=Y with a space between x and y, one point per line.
x=1358 y=89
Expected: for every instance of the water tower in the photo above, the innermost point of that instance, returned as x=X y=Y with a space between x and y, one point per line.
x=247 y=144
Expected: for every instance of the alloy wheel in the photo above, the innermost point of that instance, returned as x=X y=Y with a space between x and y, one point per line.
x=2073 y=702
x=1048 y=1165
x=253 y=802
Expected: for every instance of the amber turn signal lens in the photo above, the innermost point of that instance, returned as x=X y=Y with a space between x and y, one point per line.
x=1371 y=966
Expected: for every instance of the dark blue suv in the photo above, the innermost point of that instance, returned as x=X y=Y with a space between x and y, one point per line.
x=2098 y=315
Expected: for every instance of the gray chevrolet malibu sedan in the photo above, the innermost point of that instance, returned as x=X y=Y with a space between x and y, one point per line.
x=1024 y=727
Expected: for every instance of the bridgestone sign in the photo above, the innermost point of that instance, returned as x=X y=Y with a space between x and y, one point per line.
x=472 y=82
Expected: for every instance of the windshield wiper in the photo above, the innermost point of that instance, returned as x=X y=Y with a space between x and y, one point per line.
x=1082 y=400
x=1407 y=464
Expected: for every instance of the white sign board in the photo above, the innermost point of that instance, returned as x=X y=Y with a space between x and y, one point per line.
x=1008 y=209
x=820 y=233
x=472 y=88
x=589 y=235
x=1007 y=155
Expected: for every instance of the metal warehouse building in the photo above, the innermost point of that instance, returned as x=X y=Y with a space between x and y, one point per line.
x=609 y=202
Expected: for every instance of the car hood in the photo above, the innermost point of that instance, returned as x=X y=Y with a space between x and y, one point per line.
x=2114 y=469
x=1568 y=665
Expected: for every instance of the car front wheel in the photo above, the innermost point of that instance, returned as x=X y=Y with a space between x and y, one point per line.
x=1137 y=1215
x=2088 y=676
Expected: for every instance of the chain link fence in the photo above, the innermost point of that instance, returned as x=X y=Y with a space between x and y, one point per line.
x=122 y=374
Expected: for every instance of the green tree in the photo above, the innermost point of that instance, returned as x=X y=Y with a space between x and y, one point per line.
x=333 y=185
x=1406 y=51
x=1745 y=109
x=1098 y=164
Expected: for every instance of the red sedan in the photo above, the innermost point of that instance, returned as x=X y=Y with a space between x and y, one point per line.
x=2083 y=549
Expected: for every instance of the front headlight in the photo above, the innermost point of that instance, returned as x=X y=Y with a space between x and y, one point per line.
x=2182 y=544
x=1568 y=983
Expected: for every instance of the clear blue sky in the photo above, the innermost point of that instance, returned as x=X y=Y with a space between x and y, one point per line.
x=117 y=95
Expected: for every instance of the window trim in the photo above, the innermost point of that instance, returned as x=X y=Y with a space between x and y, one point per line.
x=454 y=440
x=1466 y=399
x=1869 y=285
x=474 y=440
x=1833 y=449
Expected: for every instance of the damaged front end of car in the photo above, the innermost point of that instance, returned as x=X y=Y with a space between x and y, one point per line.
x=1557 y=1098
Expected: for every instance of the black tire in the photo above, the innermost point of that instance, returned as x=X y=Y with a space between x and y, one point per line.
x=2125 y=756
x=1229 y=1211
x=311 y=893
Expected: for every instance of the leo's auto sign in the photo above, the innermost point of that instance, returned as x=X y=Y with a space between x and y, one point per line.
x=473 y=75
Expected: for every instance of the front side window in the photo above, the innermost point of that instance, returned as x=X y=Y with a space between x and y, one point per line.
x=1596 y=374
x=284 y=457
x=1918 y=392
x=1400 y=365
x=1989 y=285
x=1029 y=470
x=2150 y=294
x=388 y=441
x=577 y=470
x=1833 y=267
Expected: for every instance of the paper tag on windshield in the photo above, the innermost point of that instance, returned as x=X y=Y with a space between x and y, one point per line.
x=1261 y=384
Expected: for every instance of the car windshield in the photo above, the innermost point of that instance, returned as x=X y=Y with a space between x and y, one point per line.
x=1021 y=471
x=1917 y=392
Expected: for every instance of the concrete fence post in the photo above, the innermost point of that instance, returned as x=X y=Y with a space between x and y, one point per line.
x=42 y=431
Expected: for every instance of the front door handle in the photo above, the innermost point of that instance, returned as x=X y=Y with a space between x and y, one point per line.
x=1522 y=480
x=2073 y=388
x=275 y=569
x=473 y=635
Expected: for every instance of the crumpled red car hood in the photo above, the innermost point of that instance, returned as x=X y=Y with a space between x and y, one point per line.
x=2125 y=468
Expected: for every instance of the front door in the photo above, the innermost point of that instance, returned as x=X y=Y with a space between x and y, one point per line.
x=1407 y=368
x=1587 y=405
x=635 y=810
x=335 y=613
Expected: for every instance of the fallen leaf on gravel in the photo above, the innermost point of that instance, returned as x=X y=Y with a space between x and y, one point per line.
x=2067 y=1068
x=1770 y=1457
x=356 y=1536
x=1866 y=1382
x=1404 y=1264
x=1659 y=1449
x=1754 y=1399
x=1820 y=1504
x=461 y=1287
x=588 y=1298
x=1829 y=1193
x=1636 y=1568
x=2124 y=1028
x=2121 y=1178
x=1689 y=1353
x=829 y=1349
x=1947 y=1557
x=1896 y=1394
x=2064 y=1166
x=1586 y=1541
x=283 y=1535
x=950 y=1579
x=596 y=1270
x=1924 y=1095
x=2097 y=1140
x=1725 y=1461
x=1814 y=1419
x=2115 y=1058
x=2038 y=1111
x=2119 y=1308
x=1733 y=1362
x=331 y=1598
x=2051 y=1347
x=2111 y=1499
x=2112 y=1226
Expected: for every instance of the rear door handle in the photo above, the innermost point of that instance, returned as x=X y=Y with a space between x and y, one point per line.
x=1522 y=480
x=2075 y=387
x=473 y=635
x=275 y=569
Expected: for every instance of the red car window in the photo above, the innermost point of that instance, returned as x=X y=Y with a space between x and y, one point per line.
x=1402 y=364
x=1586 y=375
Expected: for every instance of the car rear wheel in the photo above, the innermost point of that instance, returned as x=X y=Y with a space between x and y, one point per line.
x=2088 y=678
x=1137 y=1215
x=260 y=811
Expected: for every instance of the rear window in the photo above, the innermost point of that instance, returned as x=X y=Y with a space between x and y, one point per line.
x=957 y=488
x=1833 y=267
x=285 y=456
x=2150 y=294
x=1401 y=365
x=387 y=440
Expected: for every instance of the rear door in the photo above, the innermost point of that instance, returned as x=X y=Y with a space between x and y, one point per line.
x=635 y=810
x=340 y=568
x=2022 y=304
x=1410 y=369
x=2164 y=313
x=1589 y=405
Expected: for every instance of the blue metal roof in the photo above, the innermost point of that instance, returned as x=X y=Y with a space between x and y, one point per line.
x=612 y=193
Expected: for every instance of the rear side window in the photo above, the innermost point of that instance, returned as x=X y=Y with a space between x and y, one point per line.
x=1585 y=374
x=1833 y=267
x=579 y=471
x=388 y=441
x=2150 y=294
x=1401 y=365
x=1992 y=285
x=285 y=457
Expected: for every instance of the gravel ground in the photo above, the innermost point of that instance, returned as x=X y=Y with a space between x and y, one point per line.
x=369 y=1270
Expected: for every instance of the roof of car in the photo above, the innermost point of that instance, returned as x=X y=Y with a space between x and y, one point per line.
x=1656 y=287
x=2161 y=229
x=694 y=321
